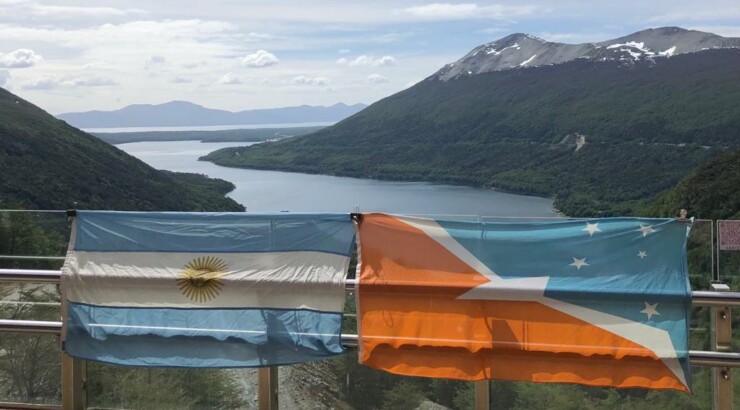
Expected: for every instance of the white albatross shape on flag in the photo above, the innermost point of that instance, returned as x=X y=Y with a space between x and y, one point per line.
x=170 y=289
x=567 y=301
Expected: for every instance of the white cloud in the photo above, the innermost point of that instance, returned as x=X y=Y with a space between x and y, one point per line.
x=21 y=58
x=194 y=37
x=364 y=60
x=48 y=82
x=303 y=80
x=97 y=65
x=181 y=80
x=385 y=60
x=468 y=11
x=88 y=82
x=261 y=58
x=230 y=79
x=24 y=10
x=45 y=10
x=361 y=60
x=153 y=60
x=260 y=36
x=376 y=79
x=4 y=77
x=41 y=83
x=194 y=64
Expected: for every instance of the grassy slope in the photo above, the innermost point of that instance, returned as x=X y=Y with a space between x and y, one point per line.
x=504 y=130
x=46 y=163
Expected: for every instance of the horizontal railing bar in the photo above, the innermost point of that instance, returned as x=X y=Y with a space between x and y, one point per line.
x=698 y=357
x=698 y=298
x=23 y=406
x=714 y=359
x=55 y=211
x=715 y=299
x=21 y=302
x=30 y=326
x=46 y=211
x=350 y=340
x=31 y=257
x=30 y=275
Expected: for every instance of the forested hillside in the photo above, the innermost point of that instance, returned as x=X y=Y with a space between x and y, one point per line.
x=601 y=137
x=46 y=163
x=712 y=191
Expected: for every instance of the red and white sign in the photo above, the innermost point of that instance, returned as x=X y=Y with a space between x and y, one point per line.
x=729 y=235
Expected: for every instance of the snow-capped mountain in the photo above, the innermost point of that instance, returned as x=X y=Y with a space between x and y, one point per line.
x=523 y=50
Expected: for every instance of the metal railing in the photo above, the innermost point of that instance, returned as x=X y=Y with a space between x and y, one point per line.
x=721 y=358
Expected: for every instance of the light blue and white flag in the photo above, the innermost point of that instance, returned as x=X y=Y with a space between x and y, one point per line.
x=171 y=289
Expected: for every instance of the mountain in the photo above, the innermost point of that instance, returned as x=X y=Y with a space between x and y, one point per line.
x=712 y=191
x=183 y=113
x=600 y=135
x=47 y=164
x=523 y=50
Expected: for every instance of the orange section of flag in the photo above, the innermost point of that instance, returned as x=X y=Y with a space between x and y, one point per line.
x=411 y=323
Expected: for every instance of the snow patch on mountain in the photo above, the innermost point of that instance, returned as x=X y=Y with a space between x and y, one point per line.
x=527 y=61
x=669 y=52
x=634 y=44
x=497 y=52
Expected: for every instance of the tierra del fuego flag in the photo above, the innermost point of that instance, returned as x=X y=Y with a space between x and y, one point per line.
x=205 y=289
x=597 y=302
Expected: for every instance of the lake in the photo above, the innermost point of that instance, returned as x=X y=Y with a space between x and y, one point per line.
x=270 y=191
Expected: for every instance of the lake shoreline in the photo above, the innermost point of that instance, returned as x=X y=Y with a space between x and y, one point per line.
x=275 y=191
x=555 y=211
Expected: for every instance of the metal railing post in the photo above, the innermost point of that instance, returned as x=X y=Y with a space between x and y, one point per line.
x=267 y=392
x=73 y=384
x=482 y=395
x=721 y=341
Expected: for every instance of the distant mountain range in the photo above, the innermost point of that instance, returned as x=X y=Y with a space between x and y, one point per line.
x=183 y=113
x=603 y=127
x=524 y=51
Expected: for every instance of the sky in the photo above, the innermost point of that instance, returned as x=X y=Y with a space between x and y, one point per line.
x=85 y=55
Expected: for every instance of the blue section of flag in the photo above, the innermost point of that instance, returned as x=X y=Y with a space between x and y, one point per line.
x=214 y=338
x=105 y=231
x=628 y=266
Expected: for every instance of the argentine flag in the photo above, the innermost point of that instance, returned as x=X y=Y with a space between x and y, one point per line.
x=170 y=289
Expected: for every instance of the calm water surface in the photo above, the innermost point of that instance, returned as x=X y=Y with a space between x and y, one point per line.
x=269 y=191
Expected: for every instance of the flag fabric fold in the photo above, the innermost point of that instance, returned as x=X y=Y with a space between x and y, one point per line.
x=601 y=302
x=170 y=289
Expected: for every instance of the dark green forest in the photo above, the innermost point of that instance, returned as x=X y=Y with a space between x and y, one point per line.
x=645 y=126
x=47 y=164
x=712 y=191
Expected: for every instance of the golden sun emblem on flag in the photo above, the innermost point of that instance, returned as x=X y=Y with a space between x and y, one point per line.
x=201 y=279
